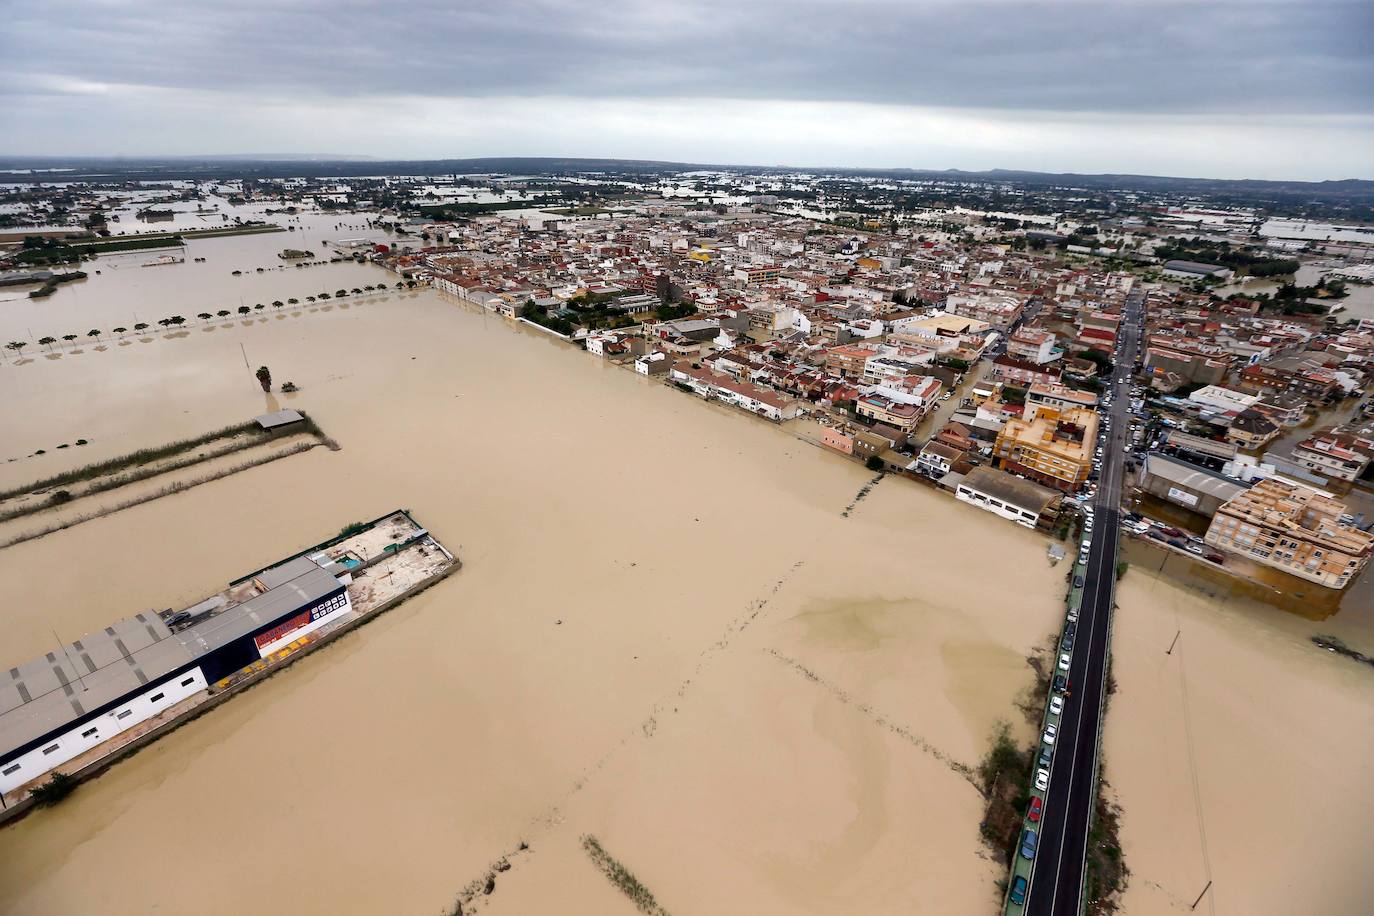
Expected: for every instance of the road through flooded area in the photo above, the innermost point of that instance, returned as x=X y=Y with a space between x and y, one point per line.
x=666 y=634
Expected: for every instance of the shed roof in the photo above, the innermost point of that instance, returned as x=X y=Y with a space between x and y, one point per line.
x=279 y=418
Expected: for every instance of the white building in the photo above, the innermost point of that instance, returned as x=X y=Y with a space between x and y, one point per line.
x=81 y=695
x=1005 y=495
x=1222 y=399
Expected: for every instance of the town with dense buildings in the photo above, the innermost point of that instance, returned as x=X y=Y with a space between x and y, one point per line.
x=961 y=353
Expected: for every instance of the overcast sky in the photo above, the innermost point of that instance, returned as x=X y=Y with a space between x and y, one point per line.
x=1217 y=88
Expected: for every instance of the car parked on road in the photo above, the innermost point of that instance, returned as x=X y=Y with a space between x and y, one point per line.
x=1061 y=683
x=1051 y=732
x=1057 y=705
x=1018 y=890
x=1046 y=755
x=1034 y=812
x=1064 y=661
x=1028 y=842
x=1077 y=581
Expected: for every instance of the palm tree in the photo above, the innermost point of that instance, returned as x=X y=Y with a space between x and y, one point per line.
x=93 y=332
x=165 y=322
x=259 y=306
x=309 y=298
x=69 y=337
x=357 y=291
x=324 y=296
x=223 y=313
x=277 y=303
x=292 y=301
x=47 y=341
x=204 y=316
x=16 y=345
x=141 y=326
x=264 y=378
x=340 y=293
x=176 y=320
x=244 y=310
x=400 y=284
x=120 y=330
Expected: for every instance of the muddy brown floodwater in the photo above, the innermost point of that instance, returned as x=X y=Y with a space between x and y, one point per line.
x=665 y=634
x=1243 y=757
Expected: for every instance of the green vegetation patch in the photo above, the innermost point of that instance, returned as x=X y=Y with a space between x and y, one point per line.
x=620 y=876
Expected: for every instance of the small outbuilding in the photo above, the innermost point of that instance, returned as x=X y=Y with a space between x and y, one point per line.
x=279 y=419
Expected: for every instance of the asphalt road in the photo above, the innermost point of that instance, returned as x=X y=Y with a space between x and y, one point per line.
x=1056 y=885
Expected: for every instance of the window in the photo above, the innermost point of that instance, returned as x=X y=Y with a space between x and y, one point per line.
x=90 y=731
x=155 y=697
x=8 y=770
x=125 y=714
x=50 y=748
x=188 y=682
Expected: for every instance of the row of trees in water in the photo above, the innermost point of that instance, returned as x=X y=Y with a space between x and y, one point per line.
x=176 y=321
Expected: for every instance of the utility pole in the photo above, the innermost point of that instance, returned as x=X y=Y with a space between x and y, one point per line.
x=1199 y=896
x=245 y=356
x=1174 y=643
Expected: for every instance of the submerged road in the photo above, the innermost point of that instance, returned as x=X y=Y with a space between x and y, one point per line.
x=1057 y=883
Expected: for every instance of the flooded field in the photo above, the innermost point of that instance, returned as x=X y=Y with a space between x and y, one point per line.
x=126 y=293
x=1242 y=757
x=666 y=635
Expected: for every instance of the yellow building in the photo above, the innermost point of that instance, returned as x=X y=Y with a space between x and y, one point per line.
x=1050 y=445
x=1292 y=528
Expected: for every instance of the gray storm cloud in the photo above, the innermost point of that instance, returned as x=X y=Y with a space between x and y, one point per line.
x=1070 y=58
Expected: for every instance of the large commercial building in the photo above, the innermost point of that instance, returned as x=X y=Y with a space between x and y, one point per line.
x=1186 y=484
x=1295 y=529
x=1053 y=446
x=86 y=692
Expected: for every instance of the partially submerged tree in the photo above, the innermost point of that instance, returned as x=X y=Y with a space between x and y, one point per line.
x=264 y=378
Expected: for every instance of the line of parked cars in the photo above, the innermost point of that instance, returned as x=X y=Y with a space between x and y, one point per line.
x=1175 y=537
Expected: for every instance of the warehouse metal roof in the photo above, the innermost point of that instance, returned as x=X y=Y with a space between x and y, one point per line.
x=66 y=684
x=51 y=692
x=1191 y=476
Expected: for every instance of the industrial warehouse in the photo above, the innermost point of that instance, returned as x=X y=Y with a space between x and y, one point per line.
x=75 y=701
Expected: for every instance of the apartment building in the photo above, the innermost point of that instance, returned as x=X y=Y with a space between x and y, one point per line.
x=847 y=361
x=1059 y=396
x=883 y=409
x=1032 y=345
x=1329 y=456
x=1294 y=529
x=1000 y=310
x=1053 y=446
